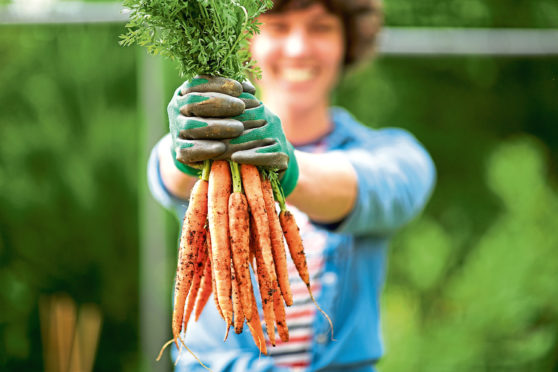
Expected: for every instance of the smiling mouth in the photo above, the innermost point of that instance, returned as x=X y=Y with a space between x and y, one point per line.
x=298 y=75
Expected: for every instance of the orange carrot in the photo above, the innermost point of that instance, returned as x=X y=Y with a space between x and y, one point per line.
x=239 y=228
x=192 y=238
x=294 y=241
x=255 y=324
x=213 y=284
x=277 y=244
x=266 y=288
x=205 y=289
x=199 y=270
x=237 y=306
x=218 y=217
x=253 y=189
x=280 y=316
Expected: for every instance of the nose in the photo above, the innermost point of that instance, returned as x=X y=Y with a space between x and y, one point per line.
x=297 y=43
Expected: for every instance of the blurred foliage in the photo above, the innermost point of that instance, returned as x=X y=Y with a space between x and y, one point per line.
x=68 y=174
x=472 y=13
x=471 y=283
x=497 y=311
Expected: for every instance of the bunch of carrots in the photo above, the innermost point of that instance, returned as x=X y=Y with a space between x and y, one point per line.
x=232 y=224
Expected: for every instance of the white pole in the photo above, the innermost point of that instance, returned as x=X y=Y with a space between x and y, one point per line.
x=419 y=41
x=154 y=286
x=472 y=41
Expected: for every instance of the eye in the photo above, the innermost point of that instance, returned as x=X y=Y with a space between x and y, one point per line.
x=276 y=28
x=324 y=27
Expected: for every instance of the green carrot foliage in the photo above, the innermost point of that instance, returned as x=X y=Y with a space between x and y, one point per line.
x=204 y=36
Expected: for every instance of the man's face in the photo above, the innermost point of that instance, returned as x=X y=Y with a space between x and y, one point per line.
x=300 y=53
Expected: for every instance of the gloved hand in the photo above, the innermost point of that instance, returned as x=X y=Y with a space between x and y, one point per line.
x=219 y=118
x=263 y=142
x=200 y=119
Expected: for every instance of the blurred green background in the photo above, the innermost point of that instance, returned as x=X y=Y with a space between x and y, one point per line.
x=472 y=283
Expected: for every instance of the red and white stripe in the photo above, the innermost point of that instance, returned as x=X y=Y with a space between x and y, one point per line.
x=296 y=353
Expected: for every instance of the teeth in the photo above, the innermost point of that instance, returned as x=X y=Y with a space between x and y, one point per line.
x=297 y=75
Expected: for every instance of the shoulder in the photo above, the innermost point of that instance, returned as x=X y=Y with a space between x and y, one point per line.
x=353 y=131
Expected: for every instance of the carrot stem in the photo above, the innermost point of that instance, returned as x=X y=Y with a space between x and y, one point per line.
x=236 y=180
x=206 y=169
x=277 y=190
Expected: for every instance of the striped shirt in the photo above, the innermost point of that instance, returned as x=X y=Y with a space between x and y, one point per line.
x=395 y=179
x=296 y=353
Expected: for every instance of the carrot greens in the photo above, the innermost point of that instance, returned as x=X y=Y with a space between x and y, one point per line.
x=204 y=36
x=210 y=37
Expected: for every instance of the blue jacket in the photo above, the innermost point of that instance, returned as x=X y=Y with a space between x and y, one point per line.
x=395 y=179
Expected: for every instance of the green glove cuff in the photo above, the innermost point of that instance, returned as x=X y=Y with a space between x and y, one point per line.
x=290 y=177
x=183 y=167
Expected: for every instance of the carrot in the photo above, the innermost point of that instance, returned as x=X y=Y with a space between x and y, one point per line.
x=218 y=217
x=277 y=244
x=253 y=189
x=237 y=306
x=255 y=324
x=280 y=316
x=199 y=270
x=294 y=242
x=205 y=289
x=240 y=239
x=213 y=285
x=266 y=287
x=192 y=238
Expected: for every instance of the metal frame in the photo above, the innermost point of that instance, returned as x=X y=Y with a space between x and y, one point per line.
x=393 y=41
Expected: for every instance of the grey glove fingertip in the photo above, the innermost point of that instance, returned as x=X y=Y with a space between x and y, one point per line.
x=249 y=101
x=211 y=105
x=252 y=124
x=198 y=150
x=211 y=129
x=272 y=160
x=208 y=83
x=248 y=87
x=184 y=168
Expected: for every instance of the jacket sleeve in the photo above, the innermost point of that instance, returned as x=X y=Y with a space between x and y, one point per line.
x=396 y=177
x=157 y=187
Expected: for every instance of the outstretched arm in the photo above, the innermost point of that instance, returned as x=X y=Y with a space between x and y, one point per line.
x=327 y=186
x=369 y=190
x=366 y=190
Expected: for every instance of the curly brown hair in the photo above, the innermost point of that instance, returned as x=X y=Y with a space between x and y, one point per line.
x=362 y=20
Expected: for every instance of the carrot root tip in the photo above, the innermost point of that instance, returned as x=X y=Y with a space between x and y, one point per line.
x=179 y=356
x=194 y=355
x=323 y=312
x=227 y=333
x=164 y=347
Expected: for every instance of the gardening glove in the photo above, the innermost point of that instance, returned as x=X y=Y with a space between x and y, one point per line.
x=263 y=142
x=200 y=114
